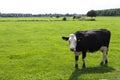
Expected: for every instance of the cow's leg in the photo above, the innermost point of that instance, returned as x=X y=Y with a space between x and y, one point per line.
x=83 y=59
x=104 y=52
x=76 y=59
x=106 y=61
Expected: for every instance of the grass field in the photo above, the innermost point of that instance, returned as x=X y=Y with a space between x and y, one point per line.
x=35 y=51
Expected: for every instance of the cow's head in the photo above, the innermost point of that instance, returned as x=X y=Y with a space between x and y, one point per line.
x=72 y=41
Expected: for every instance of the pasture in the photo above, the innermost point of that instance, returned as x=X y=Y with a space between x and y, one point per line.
x=34 y=50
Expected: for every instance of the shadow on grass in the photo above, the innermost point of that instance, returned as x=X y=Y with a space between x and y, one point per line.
x=91 y=70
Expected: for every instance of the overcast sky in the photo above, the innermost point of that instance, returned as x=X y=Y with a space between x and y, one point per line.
x=56 y=6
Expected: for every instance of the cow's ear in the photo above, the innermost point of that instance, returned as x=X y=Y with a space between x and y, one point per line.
x=65 y=38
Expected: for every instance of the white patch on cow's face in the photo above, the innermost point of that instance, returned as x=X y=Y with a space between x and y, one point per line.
x=73 y=42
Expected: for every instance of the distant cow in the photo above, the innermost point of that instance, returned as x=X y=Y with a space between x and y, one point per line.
x=89 y=41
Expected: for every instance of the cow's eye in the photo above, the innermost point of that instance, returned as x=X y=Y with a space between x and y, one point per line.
x=78 y=40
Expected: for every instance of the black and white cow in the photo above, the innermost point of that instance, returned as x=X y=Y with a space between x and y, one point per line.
x=89 y=41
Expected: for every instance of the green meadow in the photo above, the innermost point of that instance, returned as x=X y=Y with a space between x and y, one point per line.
x=32 y=49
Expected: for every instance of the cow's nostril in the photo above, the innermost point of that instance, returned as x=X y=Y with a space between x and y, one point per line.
x=72 y=49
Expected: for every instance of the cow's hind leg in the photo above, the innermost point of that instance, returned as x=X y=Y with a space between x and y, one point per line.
x=104 y=50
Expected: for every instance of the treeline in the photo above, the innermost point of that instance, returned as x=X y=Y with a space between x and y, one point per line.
x=108 y=12
x=34 y=15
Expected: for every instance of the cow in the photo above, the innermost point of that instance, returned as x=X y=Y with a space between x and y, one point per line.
x=82 y=42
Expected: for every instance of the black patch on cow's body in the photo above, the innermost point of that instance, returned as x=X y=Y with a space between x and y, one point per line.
x=92 y=40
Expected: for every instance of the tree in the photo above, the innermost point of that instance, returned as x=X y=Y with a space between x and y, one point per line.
x=108 y=12
x=64 y=18
x=57 y=16
x=91 y=13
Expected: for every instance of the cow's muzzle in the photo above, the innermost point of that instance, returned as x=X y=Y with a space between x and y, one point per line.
x=72 y=49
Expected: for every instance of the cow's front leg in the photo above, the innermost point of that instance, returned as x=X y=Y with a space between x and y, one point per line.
x=83 y=59
x=76 y=61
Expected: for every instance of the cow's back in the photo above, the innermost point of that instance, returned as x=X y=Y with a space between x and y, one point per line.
x=93 y=40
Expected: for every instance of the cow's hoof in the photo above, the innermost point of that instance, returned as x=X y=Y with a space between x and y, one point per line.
x=101 y=63
x=83 y=66
x=76 y=66
x=106 y=62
